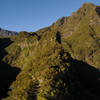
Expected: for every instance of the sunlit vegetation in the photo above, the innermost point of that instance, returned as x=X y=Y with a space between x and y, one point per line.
x=60 y=62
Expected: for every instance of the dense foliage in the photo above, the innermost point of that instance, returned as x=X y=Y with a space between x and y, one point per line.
x=60 y=62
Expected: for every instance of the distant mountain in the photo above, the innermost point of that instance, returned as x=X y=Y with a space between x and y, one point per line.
x=4 y=32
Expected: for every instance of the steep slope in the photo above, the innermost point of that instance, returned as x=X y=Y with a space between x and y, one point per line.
x=7 y=72
x=80 y=33
x=60 y=62
x=84 y=43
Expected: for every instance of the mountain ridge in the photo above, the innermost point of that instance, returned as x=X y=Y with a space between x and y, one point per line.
x=7 y=33
x=58 y=62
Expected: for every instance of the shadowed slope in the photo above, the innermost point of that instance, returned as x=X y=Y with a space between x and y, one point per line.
x=7 y=73
x=84 y=81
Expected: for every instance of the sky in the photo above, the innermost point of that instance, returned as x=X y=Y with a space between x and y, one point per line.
x=31 y=15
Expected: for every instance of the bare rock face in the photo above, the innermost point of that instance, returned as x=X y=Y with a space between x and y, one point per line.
x=7 y=33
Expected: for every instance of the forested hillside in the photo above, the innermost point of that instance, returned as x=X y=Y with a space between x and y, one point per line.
x=59 y=62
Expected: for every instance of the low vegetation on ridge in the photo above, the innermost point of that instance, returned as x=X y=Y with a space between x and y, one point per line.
x=60 y=62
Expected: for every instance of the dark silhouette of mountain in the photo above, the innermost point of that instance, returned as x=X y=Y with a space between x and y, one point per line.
x=84 y=81
x=7 y=73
